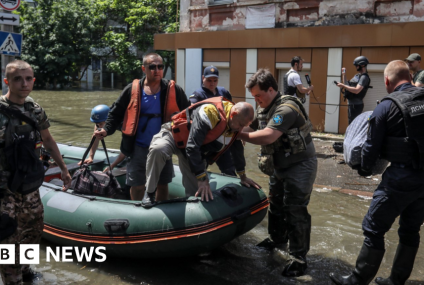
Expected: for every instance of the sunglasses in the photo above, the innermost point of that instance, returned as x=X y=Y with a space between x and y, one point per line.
x=154 y=66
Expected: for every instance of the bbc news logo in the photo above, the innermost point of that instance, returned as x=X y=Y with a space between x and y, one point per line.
x=30 y=254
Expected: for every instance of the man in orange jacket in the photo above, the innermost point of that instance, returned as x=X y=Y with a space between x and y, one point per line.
x=152 y=105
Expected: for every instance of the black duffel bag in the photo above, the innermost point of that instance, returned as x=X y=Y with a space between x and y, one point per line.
x=97 y=183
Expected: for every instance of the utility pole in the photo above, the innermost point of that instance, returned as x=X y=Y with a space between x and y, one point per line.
x=10 y=43
x=5 y=59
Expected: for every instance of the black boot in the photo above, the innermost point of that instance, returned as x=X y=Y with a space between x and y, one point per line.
x=402 y=266
x=299 y=234
x=367 y=265
x=149 y=199
x=31 y=275
x=269 y=244
x=296 y=266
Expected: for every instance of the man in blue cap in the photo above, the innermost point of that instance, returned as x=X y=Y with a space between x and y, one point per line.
x=210 y=86
x=211 y=89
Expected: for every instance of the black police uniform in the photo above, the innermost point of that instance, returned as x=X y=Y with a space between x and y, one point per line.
x=225 y=162
x=401 y=191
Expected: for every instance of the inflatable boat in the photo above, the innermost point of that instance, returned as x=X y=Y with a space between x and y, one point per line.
x=180 y=226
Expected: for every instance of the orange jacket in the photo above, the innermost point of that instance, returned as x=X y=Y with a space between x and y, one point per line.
x=132 y=114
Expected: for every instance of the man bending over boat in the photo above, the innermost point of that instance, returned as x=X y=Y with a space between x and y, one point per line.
x=212 y=128
x=23 y=130
x=143 y=107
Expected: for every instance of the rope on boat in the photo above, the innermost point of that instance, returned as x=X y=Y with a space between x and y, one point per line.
x=136 y=204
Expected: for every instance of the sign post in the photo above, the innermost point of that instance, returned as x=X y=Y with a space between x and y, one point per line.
x=9 y=19
x=7 y=6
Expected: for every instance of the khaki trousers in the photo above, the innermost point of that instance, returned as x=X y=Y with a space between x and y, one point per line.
x=161 y=149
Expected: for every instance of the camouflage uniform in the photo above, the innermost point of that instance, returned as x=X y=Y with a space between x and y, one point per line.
x=27 y=209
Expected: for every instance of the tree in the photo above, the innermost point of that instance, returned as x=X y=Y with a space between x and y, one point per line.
x=61 y=37
x=58 y=37
x=134 y=26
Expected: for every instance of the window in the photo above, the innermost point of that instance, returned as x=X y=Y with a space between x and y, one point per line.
x=219 y=2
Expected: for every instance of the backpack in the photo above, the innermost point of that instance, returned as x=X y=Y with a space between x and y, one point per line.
x=355 y=137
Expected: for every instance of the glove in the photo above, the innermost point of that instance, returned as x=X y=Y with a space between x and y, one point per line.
x=364 y=172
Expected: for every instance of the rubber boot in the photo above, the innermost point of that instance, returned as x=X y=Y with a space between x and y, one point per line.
x=402 y=266
x=295 y=266
x=277 y=225
x=367 y=265
x=149 y=199
x=31 y=275
x=299 y=233
x=277 y=229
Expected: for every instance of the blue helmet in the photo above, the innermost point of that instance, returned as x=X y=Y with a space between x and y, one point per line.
x=99 y=113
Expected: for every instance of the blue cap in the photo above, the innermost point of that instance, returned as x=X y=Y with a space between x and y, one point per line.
x=211 y=71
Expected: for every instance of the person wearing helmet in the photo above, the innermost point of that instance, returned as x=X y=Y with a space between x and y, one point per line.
x=356 y=88
x=98 y=117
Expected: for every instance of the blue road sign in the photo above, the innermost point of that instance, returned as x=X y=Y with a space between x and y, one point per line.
x=10 y=43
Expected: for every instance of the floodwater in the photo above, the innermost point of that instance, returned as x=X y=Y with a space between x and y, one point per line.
x=336 y=223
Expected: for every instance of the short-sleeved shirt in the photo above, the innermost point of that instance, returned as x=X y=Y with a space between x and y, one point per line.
x=294 y=78
x=419 y=77
x=40 y=116
x=42 y=119
x=283 y=119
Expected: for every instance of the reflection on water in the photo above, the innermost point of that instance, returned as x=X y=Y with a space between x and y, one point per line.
x=69 y=114
x=335 y=242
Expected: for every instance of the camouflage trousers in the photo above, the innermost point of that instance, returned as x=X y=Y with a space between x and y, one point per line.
x=28 y=212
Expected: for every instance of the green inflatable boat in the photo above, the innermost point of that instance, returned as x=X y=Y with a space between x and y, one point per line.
x=176 y=227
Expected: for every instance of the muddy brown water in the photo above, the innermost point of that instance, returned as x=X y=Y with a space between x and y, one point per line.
x=336 y=222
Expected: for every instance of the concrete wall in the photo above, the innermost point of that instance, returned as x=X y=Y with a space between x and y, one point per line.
x=197 y=15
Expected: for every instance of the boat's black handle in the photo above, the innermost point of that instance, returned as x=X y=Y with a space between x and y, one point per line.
x=229 y=193
x=116 y=225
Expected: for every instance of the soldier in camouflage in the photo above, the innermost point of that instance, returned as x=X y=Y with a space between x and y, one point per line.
x=282 y=128
x=23 y=127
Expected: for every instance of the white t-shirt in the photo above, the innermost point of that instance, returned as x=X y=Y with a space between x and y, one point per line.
x=294 y=78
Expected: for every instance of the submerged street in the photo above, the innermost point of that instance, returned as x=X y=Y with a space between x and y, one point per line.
x=336 y=221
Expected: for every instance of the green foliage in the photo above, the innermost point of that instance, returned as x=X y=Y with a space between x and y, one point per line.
x=57 y=38
x=134 y=25
x=62 y=36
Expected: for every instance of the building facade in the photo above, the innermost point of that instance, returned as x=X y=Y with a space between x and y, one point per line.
x=240 y=36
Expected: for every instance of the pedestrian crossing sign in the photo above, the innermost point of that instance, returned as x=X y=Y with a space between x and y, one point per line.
x=10 y=43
